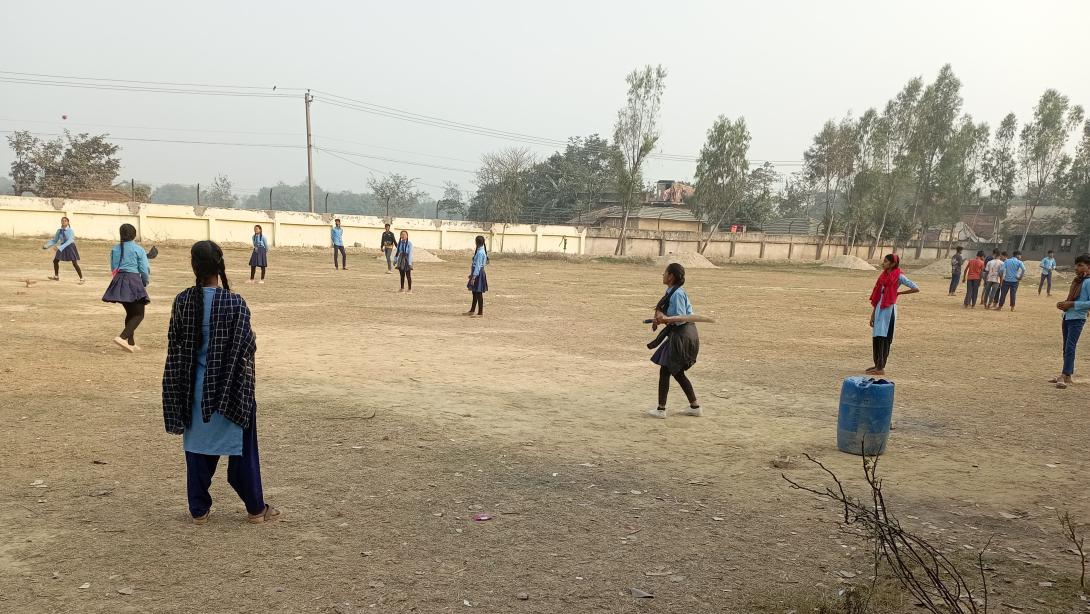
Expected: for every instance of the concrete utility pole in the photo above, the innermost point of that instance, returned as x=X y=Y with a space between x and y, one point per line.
x=307 y=98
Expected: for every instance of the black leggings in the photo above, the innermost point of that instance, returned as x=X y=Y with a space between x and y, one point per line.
x=880 y=345
x=478 y=303
x=406 y=275
x=682 y=380
x=57 y=268
x=253 y=271
x=134 y=314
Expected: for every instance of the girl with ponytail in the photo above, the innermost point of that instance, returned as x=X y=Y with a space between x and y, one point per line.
x=208 y=387
x=131 y=275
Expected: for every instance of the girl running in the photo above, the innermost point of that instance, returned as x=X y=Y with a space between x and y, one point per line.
x=678 y=344
x=260 y=257
x=403 y=260
x=64 y=241
x=883 y=317
x=478 y=280
x=131 y=275
x=208 y=387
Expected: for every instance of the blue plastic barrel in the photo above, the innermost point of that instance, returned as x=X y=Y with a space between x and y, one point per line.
x=866 y=409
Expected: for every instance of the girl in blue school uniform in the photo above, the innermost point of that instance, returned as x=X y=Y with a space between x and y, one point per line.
x=478 y=280
x=64 y=241
x=883 y=316
x=128 y=286
x=208 y=387
x=260 y=256
x=403 y=260
x=678 y=344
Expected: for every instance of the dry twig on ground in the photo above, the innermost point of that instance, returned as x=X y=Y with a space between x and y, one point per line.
x=1072 y=533
x=922 y=569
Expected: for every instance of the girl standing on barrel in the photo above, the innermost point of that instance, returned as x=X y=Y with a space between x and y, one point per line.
x=678 y=344
x=131 y=275
x=64 y=241
x=260 y=257
x=478 y=280
x=403 y=260
x=883 y=317
x=208 y=387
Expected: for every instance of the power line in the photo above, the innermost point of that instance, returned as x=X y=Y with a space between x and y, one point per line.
x=141 y=88
x=370 y=168
x=360 y=155
x=251 y=87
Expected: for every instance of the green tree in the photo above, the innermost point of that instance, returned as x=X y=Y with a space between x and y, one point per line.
x=452 y=202
x=830 y=163
x=635 y=134
x=1078 y=187
x=1041 y=151
x=220 y=193
x=793 y=199
x=175 y=194
x=1000 y=169
x=722 y=175
x=959 y=173
x=570 y=181
x=396 y=192
x=503 y=180
x=759 y=201
x=62 y=166
x=938 y=108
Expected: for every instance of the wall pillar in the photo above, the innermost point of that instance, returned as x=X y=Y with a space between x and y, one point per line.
x=442 y=236
x=211 y=227
x=762 y=250
x=731 y=247
x=791 y=249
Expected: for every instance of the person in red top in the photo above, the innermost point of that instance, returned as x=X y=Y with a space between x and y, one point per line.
x=973 y=270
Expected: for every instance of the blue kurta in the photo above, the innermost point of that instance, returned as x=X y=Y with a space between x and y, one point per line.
x=882 y=315
x=219 y=436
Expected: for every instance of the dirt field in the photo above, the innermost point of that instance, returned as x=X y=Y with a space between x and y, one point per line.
x=533 y=414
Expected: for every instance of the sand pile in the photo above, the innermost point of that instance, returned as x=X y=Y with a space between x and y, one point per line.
x=938 y=267
x=689 y=260
x=844 y=261
x=419 y=255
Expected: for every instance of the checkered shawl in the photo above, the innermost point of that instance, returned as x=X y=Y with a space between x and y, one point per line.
x=229 y=377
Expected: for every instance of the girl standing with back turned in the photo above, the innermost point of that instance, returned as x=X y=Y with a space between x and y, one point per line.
x=131 y=275
x=478 y=280
x=208 y=387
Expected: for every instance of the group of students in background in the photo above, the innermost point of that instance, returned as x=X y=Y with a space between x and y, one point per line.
x=1001 y=275
x=993 y=278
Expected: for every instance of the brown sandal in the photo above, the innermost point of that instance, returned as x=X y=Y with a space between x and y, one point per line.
x=270 y=514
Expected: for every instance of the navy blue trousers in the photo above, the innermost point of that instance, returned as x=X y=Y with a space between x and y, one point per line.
x=243 y=474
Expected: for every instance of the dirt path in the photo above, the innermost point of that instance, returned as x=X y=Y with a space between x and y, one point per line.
x=532 y=415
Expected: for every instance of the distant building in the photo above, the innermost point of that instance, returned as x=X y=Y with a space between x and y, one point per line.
x=792 y=226
x=109 y=194
x=648 y=217
x=1043 y=236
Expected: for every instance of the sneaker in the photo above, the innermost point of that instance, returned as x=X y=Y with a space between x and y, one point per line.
x=249 y=281
x=123 y=344
x=261 y=282
x=658 y=412
x=695 y=412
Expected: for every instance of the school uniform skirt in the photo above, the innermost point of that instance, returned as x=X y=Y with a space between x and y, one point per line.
x=68 y=254
x=678 y=353
x=126 y=287
x=480 y=285
x=260 y=257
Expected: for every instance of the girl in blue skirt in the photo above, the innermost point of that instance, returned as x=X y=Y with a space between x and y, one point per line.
x=478 y=281
x=64 y=241
x=208 y=387
x=131 y=275
x=260 y=257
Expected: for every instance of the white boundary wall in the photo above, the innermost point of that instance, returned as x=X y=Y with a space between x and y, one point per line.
x=23 y=216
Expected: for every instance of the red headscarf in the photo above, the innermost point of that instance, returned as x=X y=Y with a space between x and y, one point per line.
x=885 y=289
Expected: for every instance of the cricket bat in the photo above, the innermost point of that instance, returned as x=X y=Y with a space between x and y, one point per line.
x=692 y=318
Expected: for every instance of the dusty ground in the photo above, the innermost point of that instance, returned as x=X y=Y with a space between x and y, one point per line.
x=533 y=415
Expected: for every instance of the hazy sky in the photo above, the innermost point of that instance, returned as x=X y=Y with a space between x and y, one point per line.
x=549 y=69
